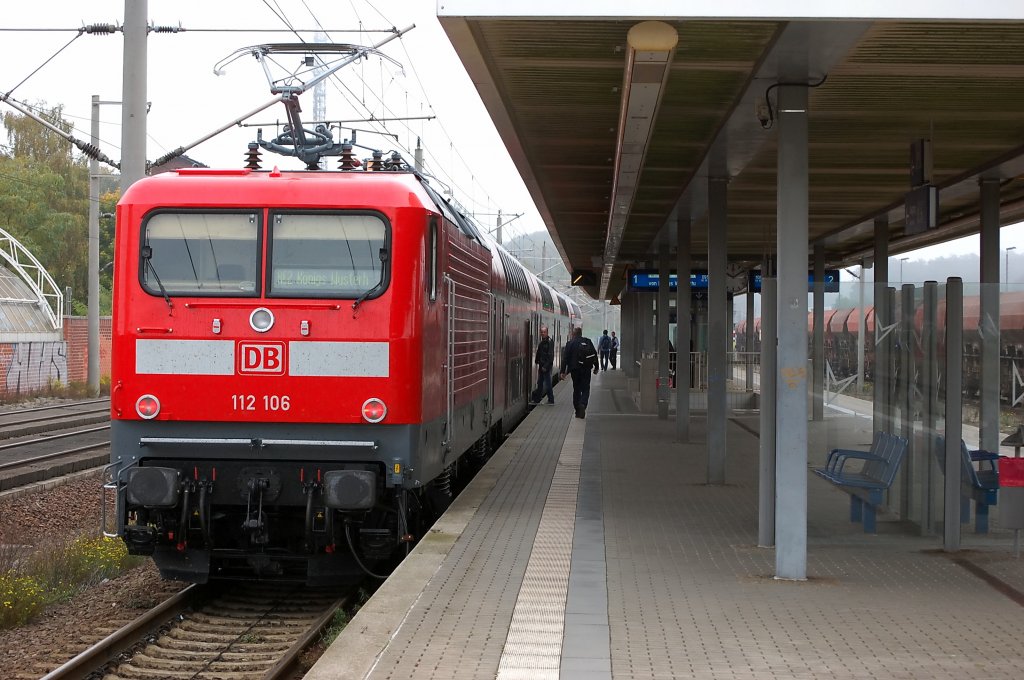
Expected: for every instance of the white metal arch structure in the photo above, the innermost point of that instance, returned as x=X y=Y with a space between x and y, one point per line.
x=25 y=264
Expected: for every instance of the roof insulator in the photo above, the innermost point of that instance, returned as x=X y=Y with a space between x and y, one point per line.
x=348 y=161
x=377 y=163
x=395 y=162
x=252 y=158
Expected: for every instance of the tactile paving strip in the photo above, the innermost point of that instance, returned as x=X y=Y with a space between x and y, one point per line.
x=458 y=626
x=533 y=648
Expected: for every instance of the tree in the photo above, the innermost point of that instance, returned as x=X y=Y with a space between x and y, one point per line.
x=108 y=204
x=38 y=145
x=44 y=199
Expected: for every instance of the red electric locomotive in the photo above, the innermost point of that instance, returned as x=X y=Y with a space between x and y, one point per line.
x=302 y=360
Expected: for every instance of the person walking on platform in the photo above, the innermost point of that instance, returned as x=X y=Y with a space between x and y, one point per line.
x=544 y=359
x=604 y=347
x=613 y=357
x=578 y=358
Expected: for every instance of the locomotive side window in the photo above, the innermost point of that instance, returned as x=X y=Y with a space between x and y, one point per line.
x=200 y=254
x=432 y=256
x=328 y=255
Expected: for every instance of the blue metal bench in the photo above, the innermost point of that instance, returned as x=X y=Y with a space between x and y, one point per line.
x=867 y=483
x=981 y=484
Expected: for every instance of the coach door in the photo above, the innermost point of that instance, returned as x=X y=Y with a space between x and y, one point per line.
x=525 y=372
x=556 y=337
x=492 y=334
x=500 y=355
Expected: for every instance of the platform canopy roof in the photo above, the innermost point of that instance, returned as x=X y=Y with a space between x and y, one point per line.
x=599 y=126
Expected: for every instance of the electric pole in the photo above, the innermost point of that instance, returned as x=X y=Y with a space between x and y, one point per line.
x=133 y=94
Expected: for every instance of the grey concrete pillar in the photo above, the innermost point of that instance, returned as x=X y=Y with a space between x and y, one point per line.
x=879 y=375
x=954 y=411
x=647 y=324
x=891 y=341
x=861 y=285
x=718 y=328
x=989 y=321
x=664 y=391
x=683 y=329
x=791 y=414
x=627 y=333
x=748 y=341
x=906 y=397
x=818 y=361
x=766 y=452
x=929 y=404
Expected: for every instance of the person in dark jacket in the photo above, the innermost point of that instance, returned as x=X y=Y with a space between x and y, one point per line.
x=544 y=359
x=613 y=357
x=579 y=358
x=604 y=348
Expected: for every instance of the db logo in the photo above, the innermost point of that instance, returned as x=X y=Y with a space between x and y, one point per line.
x=264 y=358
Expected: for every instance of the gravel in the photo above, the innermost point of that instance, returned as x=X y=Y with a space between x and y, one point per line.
x=63 y=630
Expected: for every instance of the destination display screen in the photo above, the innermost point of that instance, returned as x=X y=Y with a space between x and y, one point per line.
x=309 y=279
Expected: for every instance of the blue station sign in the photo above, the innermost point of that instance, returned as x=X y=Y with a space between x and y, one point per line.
x=646 y=280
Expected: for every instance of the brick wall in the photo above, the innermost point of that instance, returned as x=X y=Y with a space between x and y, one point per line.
x=76 y=334
x=31 y=367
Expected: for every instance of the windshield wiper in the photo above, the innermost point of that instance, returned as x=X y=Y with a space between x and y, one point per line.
x=377 y=286
x=359 y=300
x=147 y=255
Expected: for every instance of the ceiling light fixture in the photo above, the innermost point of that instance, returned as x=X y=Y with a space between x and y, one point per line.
x=652 y=44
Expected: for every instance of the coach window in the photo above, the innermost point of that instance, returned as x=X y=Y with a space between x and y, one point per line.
x=432 y=257
x=198 y=253
x=325 y=255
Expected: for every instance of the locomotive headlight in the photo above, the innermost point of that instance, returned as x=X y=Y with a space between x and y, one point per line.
x=148 y=407
x=261 y=320
x=374 y=410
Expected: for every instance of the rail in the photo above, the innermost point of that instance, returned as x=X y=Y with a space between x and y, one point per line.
x=110 y=647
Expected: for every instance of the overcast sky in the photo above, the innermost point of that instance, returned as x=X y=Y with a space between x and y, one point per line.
x=189 y=100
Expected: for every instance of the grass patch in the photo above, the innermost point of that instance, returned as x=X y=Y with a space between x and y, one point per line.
x=58 y=390
x=341 y=619
x=32 y=577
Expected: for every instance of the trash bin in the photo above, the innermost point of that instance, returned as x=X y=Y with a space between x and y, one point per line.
x=1011 y=498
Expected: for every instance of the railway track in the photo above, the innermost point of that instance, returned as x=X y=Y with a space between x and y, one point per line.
x=29 y=421
x=50 y=441
x=248 y=631
x=36 y=458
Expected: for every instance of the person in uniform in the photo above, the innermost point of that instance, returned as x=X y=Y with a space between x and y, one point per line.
x=579 y=358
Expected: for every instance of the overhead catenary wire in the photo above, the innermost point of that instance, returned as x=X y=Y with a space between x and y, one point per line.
x=352 y=97
x=87 y=148
x=71 y=117
x=476 y=197
x=8 y=29
x=38 y=68
x=439 y=166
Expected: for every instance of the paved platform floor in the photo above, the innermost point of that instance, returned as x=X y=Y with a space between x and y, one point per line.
x=594 y=549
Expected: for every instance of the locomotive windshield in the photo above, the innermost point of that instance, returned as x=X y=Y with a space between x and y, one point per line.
x=326 y=255
x=201 y=253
